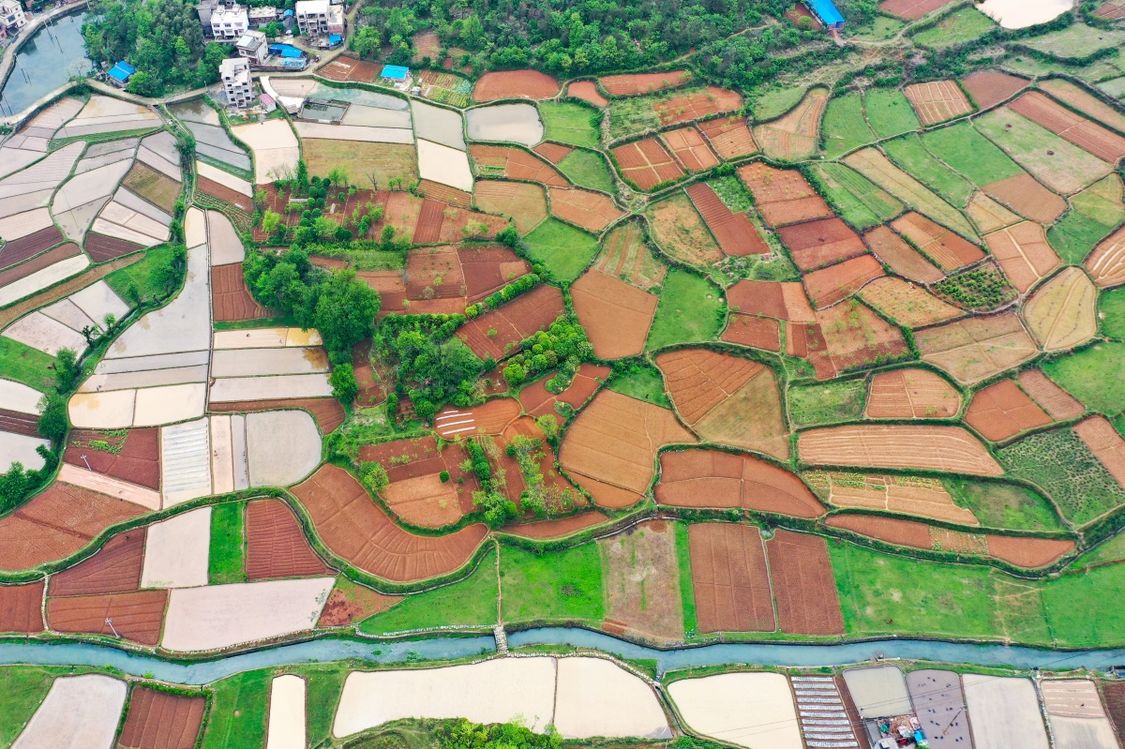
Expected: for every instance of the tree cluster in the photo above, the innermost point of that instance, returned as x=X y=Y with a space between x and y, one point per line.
x=564 y=344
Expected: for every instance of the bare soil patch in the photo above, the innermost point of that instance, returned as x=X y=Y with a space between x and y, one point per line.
x=512 y=322
x=512 y=84
x=837 y=282
x=133 y=457
x=276 y=545
x=616 y=316
x=782 y=196
x=940 y=448
x=640 y=576
x=729 y=578
x=230 y=299
x=781 y=300
x=1028 y=552
x=1114 y=691
x=590 y=210
x=20 y=608
x=817 y=243
x=646 y=163
x=415 y=491
x=1062 y=313
x=794 y=135
x=223 y=193
x=911 y=394
x=937 y=101
x=524 y=203
x=753 y=331
x=713 y=478
x=515 y=163
x=735 y=232
x=1027 y=197
x=492 y=417
x=679 y=230
x=918 y=496
x=633 y=84
x=911 y=10
x=730 y=137
x=696 y=105
x=977 y=348
x=114 y=568
x=30 y=245
x=101 y=247
x=1105 y=443
x=690 y=149
x=537 y=400
x=553 y=152
x=907 y=304
x=349 y=602
x=804 y=584
x=159 y=720
x=949 y=250
x=1023 y=253
x=588 y=92
x=990 y=87
x=901 y=257
x=845 y=336
x=1060 y=404
x=1001 y=411
x=136 y=616
x=558 y=528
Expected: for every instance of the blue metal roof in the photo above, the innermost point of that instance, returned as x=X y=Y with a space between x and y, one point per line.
x=121 y=71
x=395 y=72
x=826 y=11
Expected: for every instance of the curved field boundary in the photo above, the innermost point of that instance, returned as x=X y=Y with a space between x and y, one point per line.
x=794 y=135
x=617 y=317
x=911 y=394
x=634 y=84
x=1062 y=313
x=1107 y=262
x=977 y=348
x=510 y=84
x=917 y=496
x=276 y=546
x=949 y=449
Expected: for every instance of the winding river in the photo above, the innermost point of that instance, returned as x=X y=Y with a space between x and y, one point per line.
x=46 y=61
x=445 y=648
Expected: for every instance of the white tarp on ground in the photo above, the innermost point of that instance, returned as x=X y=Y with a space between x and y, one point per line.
x=79 y=711
x=1019 y=14
x=287 y=713
x=185 y=461
x=177 y=551
x=444 y=165
x=753 y=710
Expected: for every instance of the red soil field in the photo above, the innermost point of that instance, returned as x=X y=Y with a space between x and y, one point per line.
x=102 y=248
x=1023 y=253
x=445 y=193
x=62 y=252
x=729 y=578
x=57 y=523
x=357 y=529
x=901 y=257
x=1112 y=10
x=136 y=616
x=326 y=412
x=911 y=10
x=16 y=422
x=752 y=331
x=696 y=105
x=347 y=68
x=689 y=148
x=1107 y=262
x=371 y=392
x=846 y=336
x=230 y=299
x=713 y=478
x=891 y=530
x=590 y=210
x=616 y=316
x=20 y=608
x=1105 y=443
x=610 y=449
x=698 y=380
x=433 y=272
x=349 y=602
x=730 y=137
x=646 y=163
x=1058 y=403
x=428 y=228
x=911 y=394
x=632 y=84
x=488 y=418
x=223 y=193
x=977 y=348
x=134 y=457
x=781 y=300
x=488 y=268
x=1027 y=197
x=941 y=245
x=559 y=492
x=1114 y=691
x=1001 y=411
x=939 y=448
x=158 y=720
x=837 y=282
x=536 y=399
x=114 y=568
x=513 y=322
x=734 y=232
x=937 y=101
x=511 y=84
x=517 y=164
x=1087 y=135
x=823 y=242
x=415 y=491
x=803 y=584
x=553 y=152
x=782 y=196
x=276 y=545
x=990 y=87
x=18 y=250
x=543 y=530
x=588 y=92
x=1028 y=552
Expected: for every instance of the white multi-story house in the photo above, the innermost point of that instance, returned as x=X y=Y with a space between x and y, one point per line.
x=12 y=18
x=229 y=22
x=319 y=17
x=237 y=83
x=253 y=46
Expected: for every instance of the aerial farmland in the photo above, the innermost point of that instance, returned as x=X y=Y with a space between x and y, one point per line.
x=757 y=390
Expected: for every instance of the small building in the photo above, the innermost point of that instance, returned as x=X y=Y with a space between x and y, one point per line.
x=229 y=22
x=253 y=46
x=396 y=73
x=262 y=16
x=319 y=17
x=120 y=73
x=12 y=18
x=237 y=83
x=827 y=13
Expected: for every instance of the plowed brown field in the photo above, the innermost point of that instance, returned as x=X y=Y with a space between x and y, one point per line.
x=937 y=101
x=901 y=257
x=941 y=245
x=680 y=232
x=326 y=412
x=977 y=348
x=734 y=232
x=1062 y=313
x=689 y=148
x=552 y=152
x=38 y=263
x=907 y=304
x=803 y=584
x=1105 y=443
x=349 y=602
x=794 y=135
x=515 y=163
x=730 y=137
x=781 y=300
x=356 y=529
x=1054 y=400
x=646 y=163
x=21 y=608
x=990 y=87
x=230 y=299
x=1027 y=197
x=1087 y=135
x=911 y=10
x=114 y=568
x=590 y=210
x=640 y=576
x=837 y=282
x=1107 y=262
x=512 y=84
x=729 y=578
x=610 y=449
x=911 y=394
x=1023 y=253
x=415 y=491
x=782 y=196
x=752 y=331
x=276 y=545
x=159 y=720
x=632 y=84
x=513 y=322
x=907 y=495
x=537 y=400
x=694 y=105
x=817 y=243
x=616 y=316
x=223 y=193
x=1001 y=411
x=713 y=478
x=134 y=457
x=490 y=417
x=626 y=255
x=136 y=616
x=587 y=91
x=1028 y=552
x=847 y=336
x=938 y=448
x=101 y=247
x=1114 y=691
x=559 y=528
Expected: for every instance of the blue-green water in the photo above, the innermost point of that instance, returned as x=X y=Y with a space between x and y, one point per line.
x=331 y=649
x=46 y=61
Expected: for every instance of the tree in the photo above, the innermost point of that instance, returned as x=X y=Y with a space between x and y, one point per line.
x=345 y=311
x=271 y=220
x=366 y=41
x=343 y=382
x=67 y=370
x=273 y=29
x=53 y=422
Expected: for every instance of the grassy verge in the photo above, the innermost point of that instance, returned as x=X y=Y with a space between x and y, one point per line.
x=24 y=364
x=469 y=602
x=962 y=26
x=829 y=403
x=641 y=381
x=999 y=505
x=573 y=124
x=228 y=542
x=238 y=711
x=691 y=308
x=564 y=585
x=844 y=126
x=140 y=280
x=562 y=249
x=687 y=591
x=587 y=169
x=324 y=683
x=24 y=689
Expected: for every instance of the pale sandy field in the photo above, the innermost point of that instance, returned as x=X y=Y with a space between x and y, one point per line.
x=596 y=697
x=79 y=711
x=1003 y=713
x=177 y=551
x=287 y=713
x=753 y=710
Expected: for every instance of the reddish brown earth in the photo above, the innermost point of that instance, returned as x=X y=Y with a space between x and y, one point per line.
x=698 y=380
x=696 y=105
x=371 y=392
x=114 y=568
x=1001 y=411
x=223 y=193
x=18 y=250
x=588 y=92
x=1028 y=552
x=647 y=163
x=752 y=331
x=1114 y=691
x=57 y=523
x=713 y=478
x=729 y=136
x=729 y=578
x=911 y=394
x=990 y=87
x=837 y=282
x=1084 y=133
x=1024 y=253
x=553 y=152
x=616 y=316
x=415 y=491
x=803 y=584
x=276 y=545
x=517 y=164
x=488 y=418
x=159 y=720
x=136 y=616
x=782 y=196
x=593 y=211
x=734 y=232
x=348 y=68
x=1105 y=443
x=445 y=193
x=641 y=580
x=428 y=228
x=632 y=84
x=911 y=9
x=543 y=530
x=690 y=149
x=357 y=529
x=230 y=299
x=62 y=252
x=17 y=422
x=511 y=84
x=945 y=248
x=892 y=530
x=349 y=602
x=326 y=412
x=102 y=248
x=537 y=400
x=1058 y=403
x=817 y=243
x=949 y=449
x=1027 y=197
x=134 y=457
x=781 y=300
x=20 y=608
x=513 y=322
x=901 y=257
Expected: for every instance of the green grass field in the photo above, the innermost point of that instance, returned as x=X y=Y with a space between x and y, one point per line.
x=774 y=102
x=24 y=688
x=24 y=364
x=889 y=112
x=141 y=275
x=469 y=602
x=958 y=27
x=226 y=563
x=1107 y=552
x=1095 y=212
x=564 y=250
x=564 y=585
x=910 y=154
x=631 y=115
x=828 y=403
x=690 y=309
x=860 y=202
x=999 y=505
x=971 y=154
x=324 y=684
x=880 y=28
x=844 y=126
x=641 y=381
x=687 y=595
x=1075 y=42
x=587 y=169
x=1087 y=592
x=238 y=711
x=1111 y=309
x=570 y=123
x=1093 y=376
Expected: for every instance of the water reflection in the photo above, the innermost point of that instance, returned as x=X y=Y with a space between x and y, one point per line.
x=46 y=61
